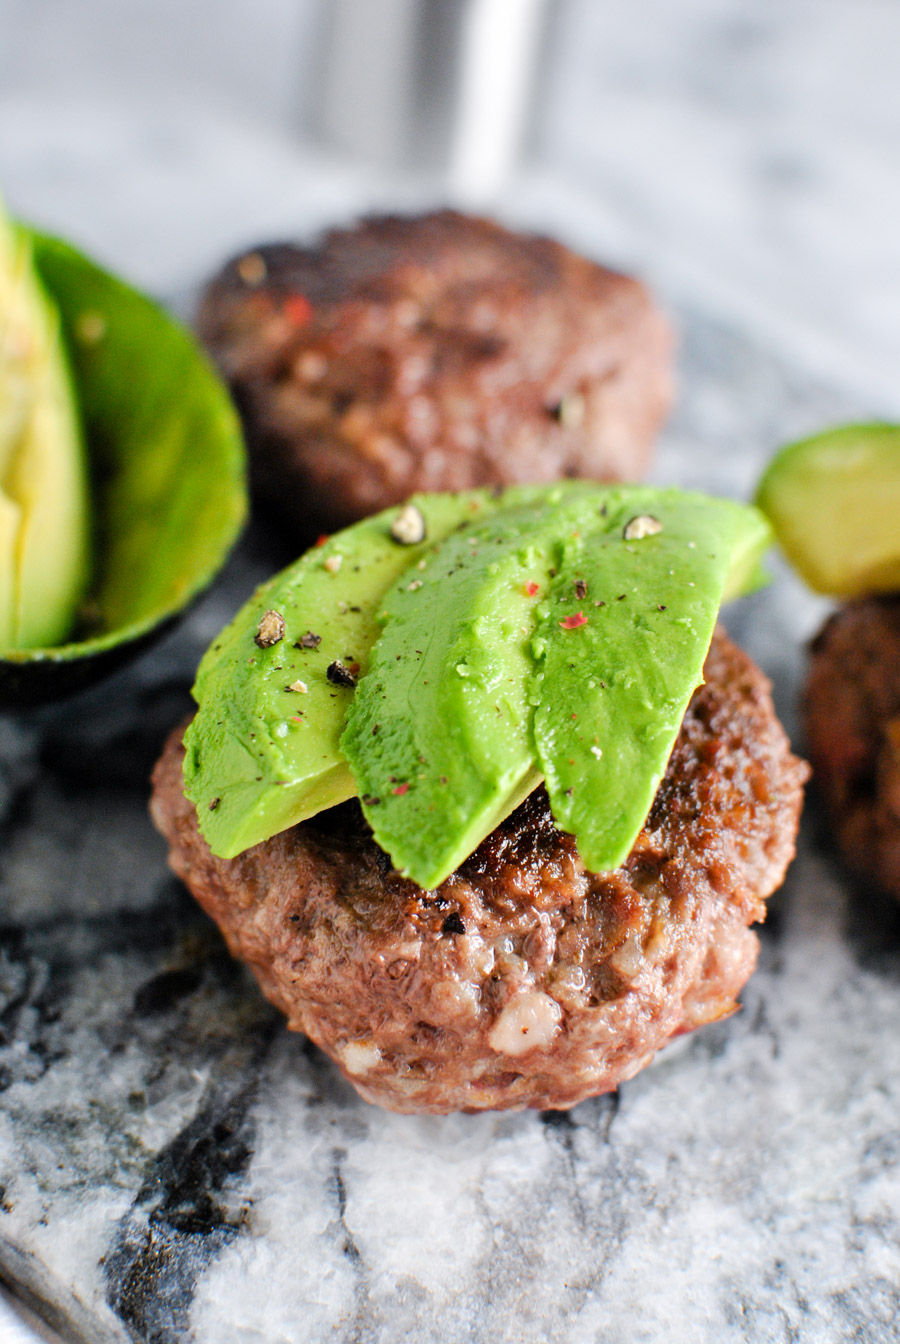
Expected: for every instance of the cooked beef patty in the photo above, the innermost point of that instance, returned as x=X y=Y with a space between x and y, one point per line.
x=433 y=353
x=522 y=980
x=852 y=710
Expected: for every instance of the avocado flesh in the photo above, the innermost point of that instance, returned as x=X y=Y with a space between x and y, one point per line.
x=452 y=684
x=586 y=686
x=44 y=514
x=260 y=758
x=10 y=522
x=610 y=694
x=834 y=502
x=439 y=732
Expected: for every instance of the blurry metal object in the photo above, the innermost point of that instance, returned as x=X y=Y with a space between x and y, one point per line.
x=438 y=85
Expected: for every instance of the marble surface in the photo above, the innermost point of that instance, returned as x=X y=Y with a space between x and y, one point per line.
x=176 y=1167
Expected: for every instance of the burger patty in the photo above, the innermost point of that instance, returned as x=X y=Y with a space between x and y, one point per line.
x=522 y=980
x=433 y=353
x=852 y=712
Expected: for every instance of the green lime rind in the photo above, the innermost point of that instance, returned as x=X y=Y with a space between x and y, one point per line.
x=834 y=504
x=166 y=458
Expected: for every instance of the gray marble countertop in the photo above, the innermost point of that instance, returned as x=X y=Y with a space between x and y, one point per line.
x=177 y=1167
x=174 y=1166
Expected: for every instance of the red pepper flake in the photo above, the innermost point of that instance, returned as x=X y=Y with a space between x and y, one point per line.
x=573 y=622
x=297 y=309
x=321 y=540
x=400 y=790
x=532 y=589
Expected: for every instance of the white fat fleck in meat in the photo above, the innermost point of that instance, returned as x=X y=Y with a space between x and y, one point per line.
x=628 y=958
x=528 y=1022
x=455 y=999
x=360 y=1056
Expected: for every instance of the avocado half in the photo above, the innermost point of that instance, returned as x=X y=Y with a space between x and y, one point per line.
x=167 y=474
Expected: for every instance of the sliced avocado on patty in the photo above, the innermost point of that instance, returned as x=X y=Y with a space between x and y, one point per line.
x=438 y=678
x=263 y=751
x=44 y=534
x=439 y=733
x=619 y=652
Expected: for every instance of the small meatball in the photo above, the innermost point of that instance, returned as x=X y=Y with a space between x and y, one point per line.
x=852 y=713
x=523 y=980
x=433 y=353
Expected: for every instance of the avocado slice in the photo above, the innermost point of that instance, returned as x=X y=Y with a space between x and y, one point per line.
x=476 y=673
x=438 y=733
x=569 y=642
x=260 y=756
x=619 y=651
x=44 y=535
x=834 y=502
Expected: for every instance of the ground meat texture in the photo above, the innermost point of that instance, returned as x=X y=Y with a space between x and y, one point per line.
x=433 y=353
x=522 y=980
x=852 y=712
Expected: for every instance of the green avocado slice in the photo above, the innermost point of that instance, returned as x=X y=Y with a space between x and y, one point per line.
x=43 y=480
x=439 y=732
x=469 y=672
x=261 y=757
x=619 y=651
x=524 y=676
x=834 y=501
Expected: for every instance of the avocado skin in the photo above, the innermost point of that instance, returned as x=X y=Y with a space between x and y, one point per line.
x=834 y=502
x=274 y=758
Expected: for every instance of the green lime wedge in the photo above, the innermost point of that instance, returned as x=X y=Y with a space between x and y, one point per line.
x=834 y=503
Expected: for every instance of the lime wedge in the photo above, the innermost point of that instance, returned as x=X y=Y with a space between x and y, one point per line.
x=834 y=503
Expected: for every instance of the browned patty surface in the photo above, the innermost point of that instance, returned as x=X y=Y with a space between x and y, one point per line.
x=433 y=353
x=523 y=980
x=852 y=710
